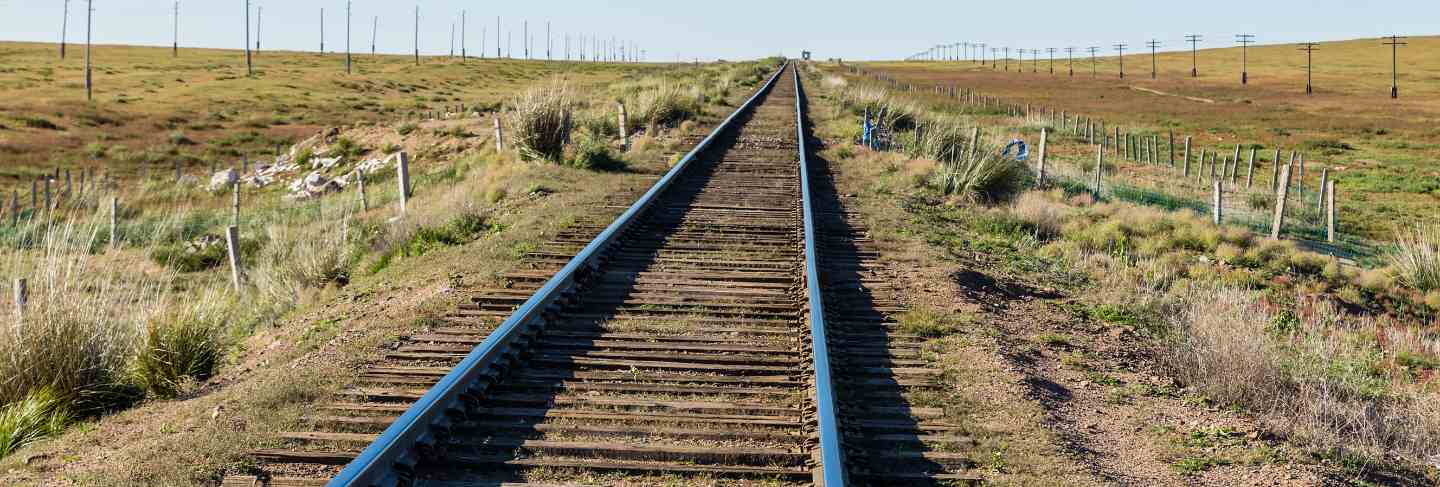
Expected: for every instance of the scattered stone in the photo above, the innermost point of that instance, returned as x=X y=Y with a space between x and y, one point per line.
x=312 y=185
x=223 y=179
x=325 y=162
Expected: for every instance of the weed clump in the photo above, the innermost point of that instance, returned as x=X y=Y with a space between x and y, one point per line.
x=1415 y=258
x=669 y=104
x=542 y=120
x=174 y=353
x=974 y=174
x=38 y=415
x=926 y=323
x=590 y=152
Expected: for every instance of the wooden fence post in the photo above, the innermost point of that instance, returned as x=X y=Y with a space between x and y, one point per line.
x=1044 y=135
x=1300 y=180
x=403 y=169
x=1099 y=169
x=114 y=220
x=1219 y=202
x=177 y=171
x=48 y=206
x=22 y=297
x=1278 y=220
x=1187 y=156
x=1330 y=211
x=624 y=132
x=1324 y=178
x=364 y=199
x=1250 y=172
x=499 y=136
x=232 y=243
x=235 y=204
x=1172 y=148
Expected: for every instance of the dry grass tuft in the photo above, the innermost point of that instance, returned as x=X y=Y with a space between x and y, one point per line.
x=541 y=121
x=1304 y=378
x=1415 y=258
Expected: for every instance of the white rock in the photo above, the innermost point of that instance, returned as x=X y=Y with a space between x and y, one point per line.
x=223 y=179
x=325 y=163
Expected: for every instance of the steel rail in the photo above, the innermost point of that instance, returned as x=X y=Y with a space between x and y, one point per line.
x=375 y=466
x=832 y=458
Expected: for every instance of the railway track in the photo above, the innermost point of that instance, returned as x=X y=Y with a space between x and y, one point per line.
x=685 y=342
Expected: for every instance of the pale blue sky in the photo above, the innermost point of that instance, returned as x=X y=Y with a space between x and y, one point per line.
x=735 y=29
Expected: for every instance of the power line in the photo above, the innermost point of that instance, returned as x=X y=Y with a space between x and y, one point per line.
x=1245 y=40
x=1395 y=44
x=1194 y=40
x=1121 y=48
x=1154 y=44
x=1309 y=48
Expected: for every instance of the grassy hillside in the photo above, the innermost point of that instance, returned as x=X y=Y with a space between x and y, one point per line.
x=1381 y=151
x=201 y=107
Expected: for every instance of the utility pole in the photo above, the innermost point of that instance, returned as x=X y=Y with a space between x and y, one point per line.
x=64 y=25
x=322 y=30
x=526 y=37
x=1154 y=44
x=981 y=58
x=374 y=28
x=417 y=34
x=1245 y=40
x=462 y=36
x=89 y=80
x=1121 y=48
x=1094 y=71
x=1007 y=59
x=1052 y=60
x=1034 y=60
x=249 y=65
x=548 y=46
x=1309 y=48
x=1395 y=44
x=1194 y=40
x=1070 y=54
x=175 y=44
x=497 y=37
x=259 y=14
x=347 y=36
x=452 y=39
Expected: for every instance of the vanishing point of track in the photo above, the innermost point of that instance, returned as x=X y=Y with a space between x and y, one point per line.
x=688 y=338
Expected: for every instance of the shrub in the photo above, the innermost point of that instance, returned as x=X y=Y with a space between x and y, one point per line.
x=406 y=129
x=884 y=109
x=38 y=415
x=1415 y=258
x=38 y=123
x=1046 y=217
x=926 y=323
x=541 y=122
x=593 y=153
x=178 y=138
x=174 y=353
x=1321 y=389
x=349 y=149
x=205 y=253
x=667 y=104
x=975 y=176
